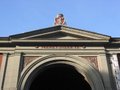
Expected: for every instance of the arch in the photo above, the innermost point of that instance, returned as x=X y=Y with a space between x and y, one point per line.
x=59 y=77
x=85 y=68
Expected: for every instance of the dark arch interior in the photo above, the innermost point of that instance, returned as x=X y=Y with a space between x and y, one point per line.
x=59 y=77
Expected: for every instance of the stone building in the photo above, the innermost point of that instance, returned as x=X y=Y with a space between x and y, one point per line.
x=59 y=58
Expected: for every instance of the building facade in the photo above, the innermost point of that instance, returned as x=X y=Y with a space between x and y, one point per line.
x=59 y=57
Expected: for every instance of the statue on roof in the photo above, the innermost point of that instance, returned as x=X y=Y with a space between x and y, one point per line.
x=59 y=20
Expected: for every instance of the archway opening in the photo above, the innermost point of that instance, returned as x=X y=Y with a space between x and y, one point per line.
x=59 y=77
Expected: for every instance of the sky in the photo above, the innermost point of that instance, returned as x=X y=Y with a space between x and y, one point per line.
x=19 y=16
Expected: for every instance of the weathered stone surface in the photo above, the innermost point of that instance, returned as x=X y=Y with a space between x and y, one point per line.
x=28 y=59
x=92 y=59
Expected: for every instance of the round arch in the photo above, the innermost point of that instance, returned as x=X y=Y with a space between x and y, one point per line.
x=85 y=68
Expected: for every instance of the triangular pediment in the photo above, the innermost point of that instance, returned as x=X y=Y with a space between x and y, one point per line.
x=60 y=33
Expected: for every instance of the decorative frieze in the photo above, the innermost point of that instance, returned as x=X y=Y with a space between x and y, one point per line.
x=92 y=60
x=116 y=70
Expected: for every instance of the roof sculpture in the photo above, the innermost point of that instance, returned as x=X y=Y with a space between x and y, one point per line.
x=59 y=20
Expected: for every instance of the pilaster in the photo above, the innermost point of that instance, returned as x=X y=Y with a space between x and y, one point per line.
x=12 y=72
x=104 y=70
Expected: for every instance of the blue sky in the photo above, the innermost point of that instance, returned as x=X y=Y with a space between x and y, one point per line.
x=18 y=16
